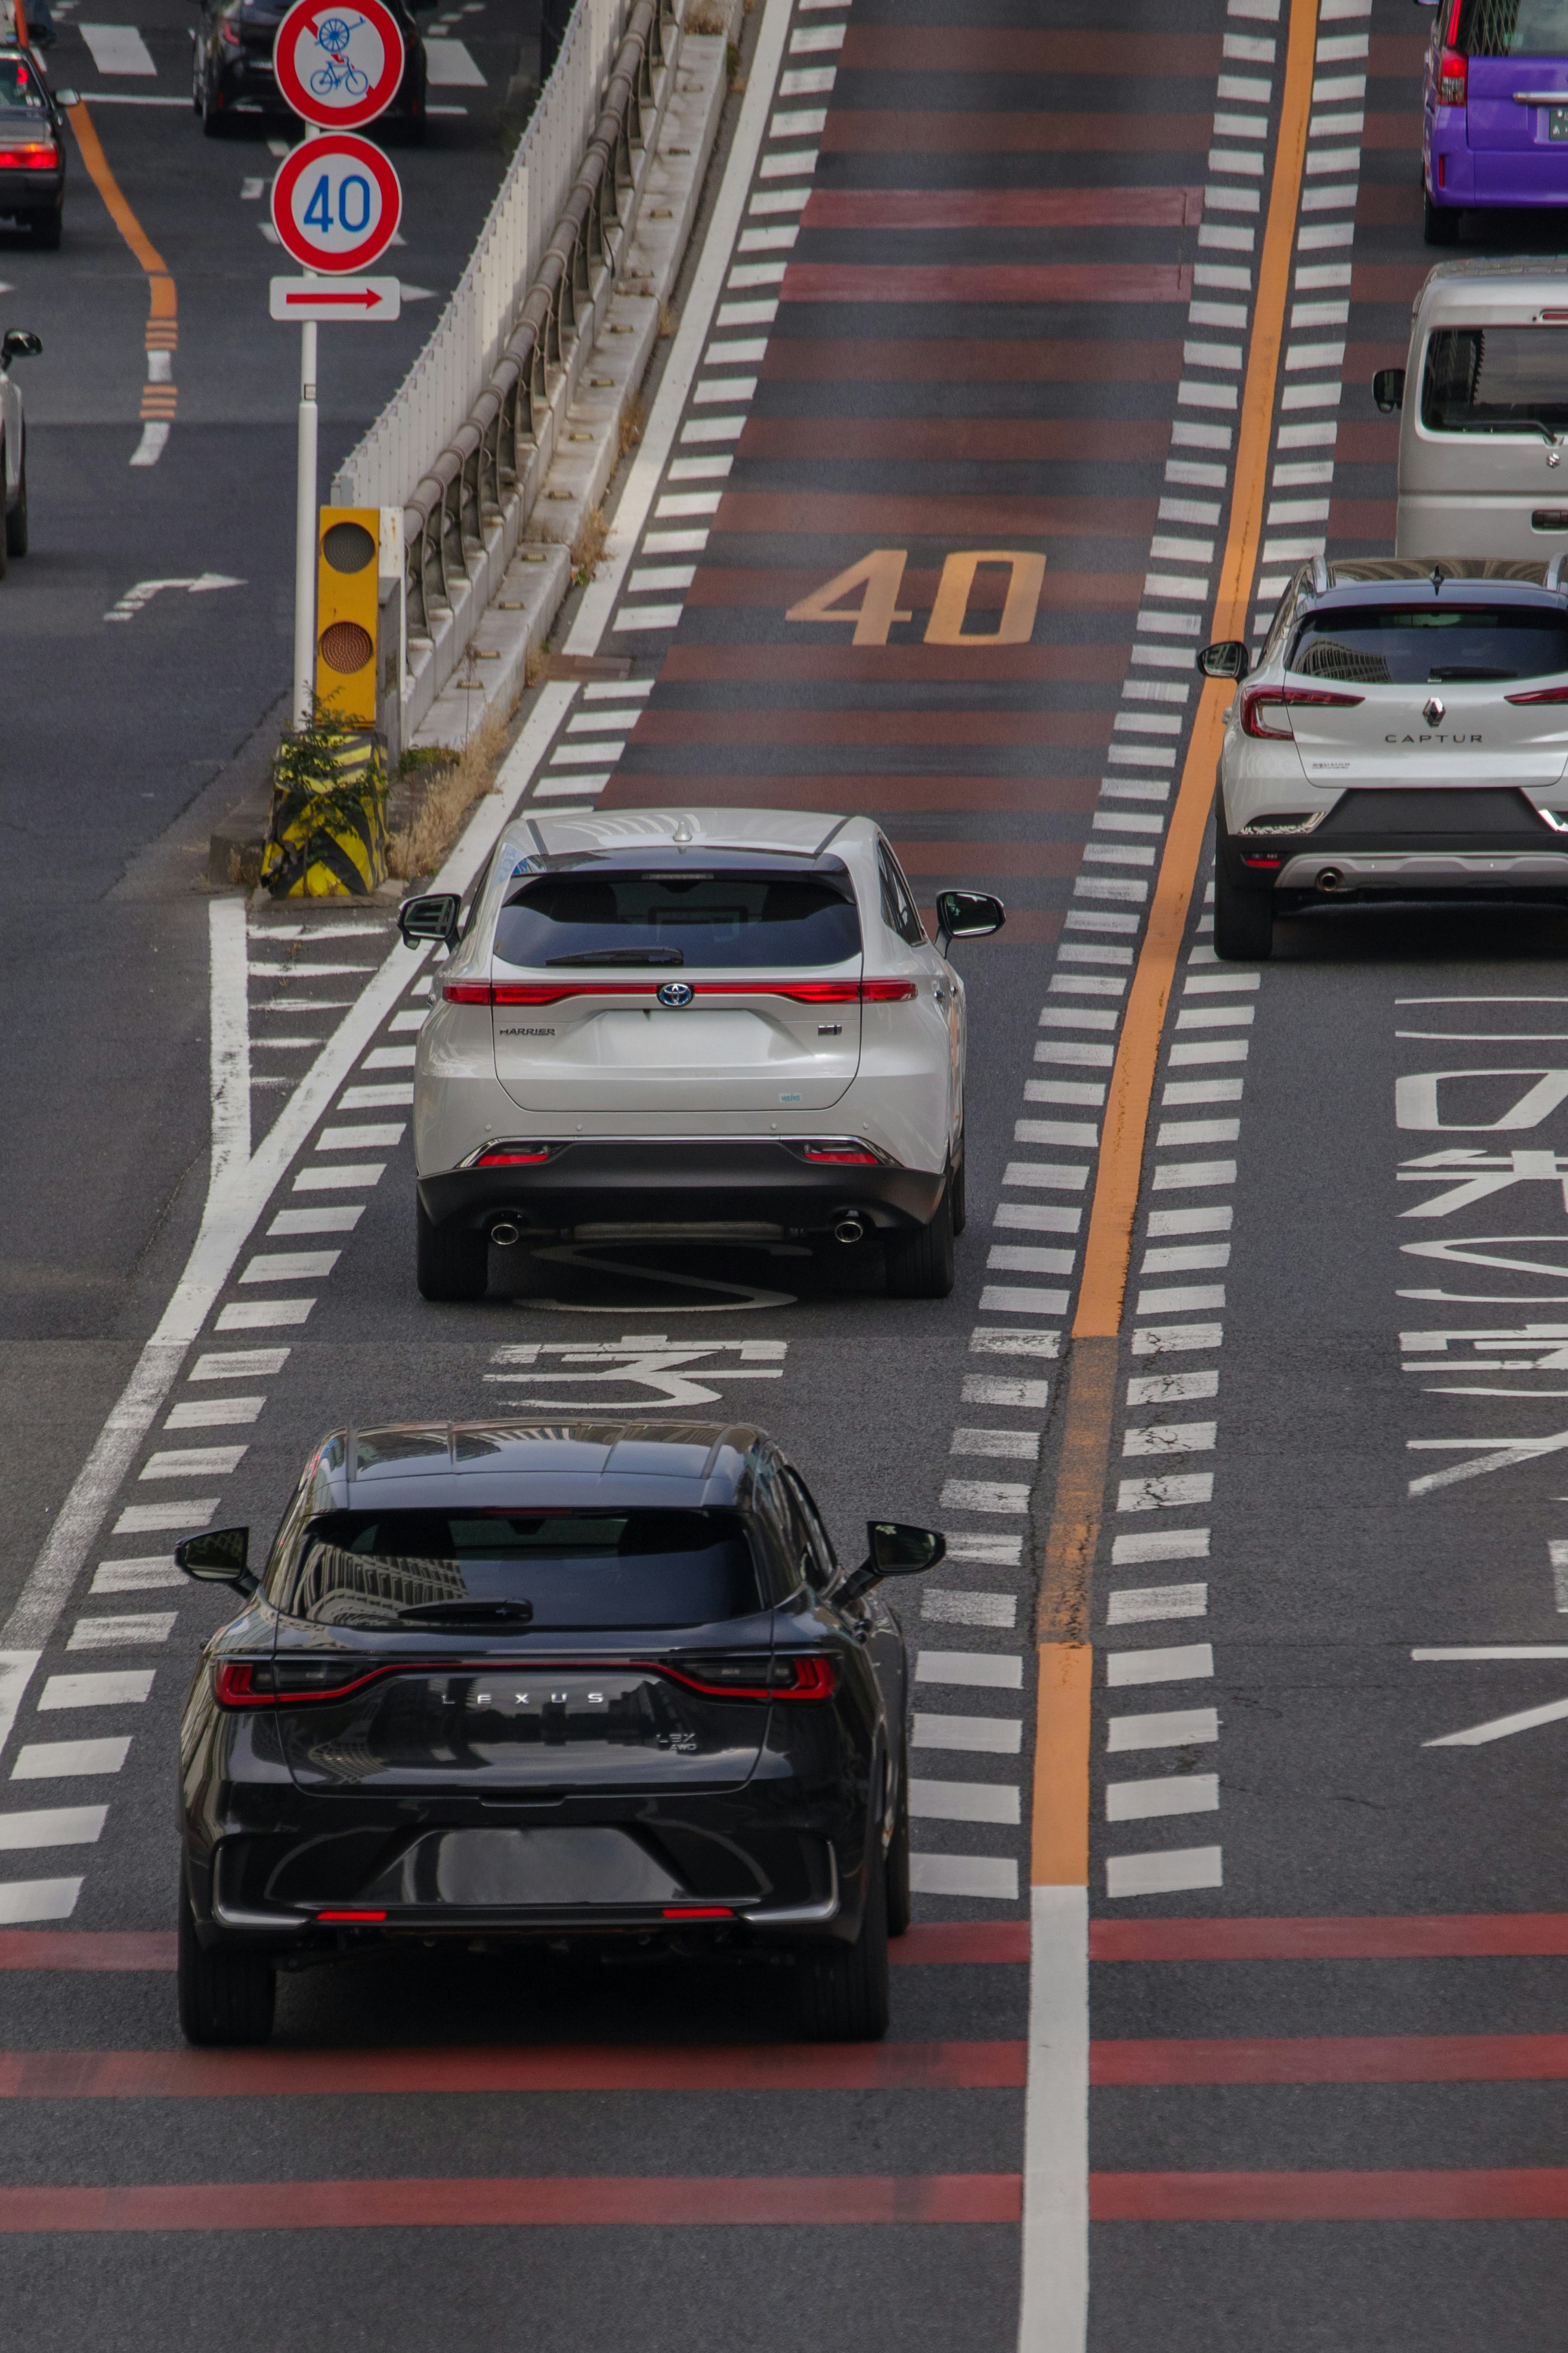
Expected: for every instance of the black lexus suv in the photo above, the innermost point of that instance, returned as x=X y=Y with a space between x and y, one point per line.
x=604 y=1680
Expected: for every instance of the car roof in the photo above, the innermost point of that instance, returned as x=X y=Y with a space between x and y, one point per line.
x=800 y=833
x=1370 y=581
x=432 y=1465
x=1512 y=289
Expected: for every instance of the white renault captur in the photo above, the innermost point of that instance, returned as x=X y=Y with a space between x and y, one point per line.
x=1403 y=734
x=709 y=1024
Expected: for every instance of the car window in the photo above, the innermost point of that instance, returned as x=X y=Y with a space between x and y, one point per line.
x=1495 y=379
x=821 y=1562
x=587 y=1568
x=1513 y=28
x=1432 y=644
x=899 y=909
x=701 y=921
x=20 y=91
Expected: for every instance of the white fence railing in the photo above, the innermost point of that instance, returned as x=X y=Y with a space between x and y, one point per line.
x=442 y=385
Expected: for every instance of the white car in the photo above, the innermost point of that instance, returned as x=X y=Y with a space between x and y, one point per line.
x=722 y=1025
x=1403 y=735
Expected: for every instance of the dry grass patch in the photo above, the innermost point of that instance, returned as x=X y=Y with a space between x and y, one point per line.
x=456 y=783
x=634 y=417
x=708 y=16
x=588 y=548
x=668 y=318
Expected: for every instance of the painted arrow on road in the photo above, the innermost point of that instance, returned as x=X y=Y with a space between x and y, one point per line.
x=132 y=601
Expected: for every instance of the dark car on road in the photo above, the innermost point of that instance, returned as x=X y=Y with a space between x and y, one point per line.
x=231 y=66
x=605 y=1681
x=32 y=147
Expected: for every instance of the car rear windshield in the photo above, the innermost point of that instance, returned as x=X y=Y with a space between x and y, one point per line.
x=1495 y=379
x=1431 y=645
x=1513 y=28
x=422 y=1571
x=19 y=90
x=701 y=921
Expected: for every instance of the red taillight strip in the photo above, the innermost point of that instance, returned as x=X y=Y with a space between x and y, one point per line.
x=1541 y=694
x=802 y=992
x=30 y=159
x=233 y=1687
x=1255 y=698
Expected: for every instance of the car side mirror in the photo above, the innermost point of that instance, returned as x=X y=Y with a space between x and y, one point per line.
x=434 y=917
x=19 y=345
x=1228 y=659
x=68 y=98
x=893 y=1550
x=967 y=915
x=217 y=1558
x=1388 y=390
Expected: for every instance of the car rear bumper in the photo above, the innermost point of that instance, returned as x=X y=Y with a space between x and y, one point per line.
x=708 y=1185
x=31 y=192
x=1448 y=840
x=1424 y=871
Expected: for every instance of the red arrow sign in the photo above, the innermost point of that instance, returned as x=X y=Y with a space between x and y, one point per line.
x=364 y=301
x=369 y=300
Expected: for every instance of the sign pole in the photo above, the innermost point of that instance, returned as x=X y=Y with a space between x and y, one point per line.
x=305 y=523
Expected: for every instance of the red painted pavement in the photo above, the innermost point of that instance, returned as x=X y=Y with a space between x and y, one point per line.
x=69 y=1949
x=1003 y=208
x=999 y=281
x=888 y=132
x=1405 y=1936
x=1529 y=2194
x=1338 y=2059
x=940 y=516
x=971 y=49
x=612 y=2198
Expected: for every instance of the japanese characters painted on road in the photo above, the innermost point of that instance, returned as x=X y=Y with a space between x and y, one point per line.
x=336 y=204
x=338 y=65
x=380 y=299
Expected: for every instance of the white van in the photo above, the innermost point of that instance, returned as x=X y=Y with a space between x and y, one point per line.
x=1483 y=439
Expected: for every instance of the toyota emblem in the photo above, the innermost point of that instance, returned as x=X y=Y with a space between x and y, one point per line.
x=1435 y=713
x=676 y=992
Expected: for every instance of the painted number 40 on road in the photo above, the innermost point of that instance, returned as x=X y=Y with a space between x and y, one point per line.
x=336 y=204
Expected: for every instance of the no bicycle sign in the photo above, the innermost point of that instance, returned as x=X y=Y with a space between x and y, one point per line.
x=338 y=63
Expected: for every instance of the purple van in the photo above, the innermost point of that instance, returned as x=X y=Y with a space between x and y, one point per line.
x=1494 y=102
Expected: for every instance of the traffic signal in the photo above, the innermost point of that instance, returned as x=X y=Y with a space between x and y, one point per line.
x=346 y=611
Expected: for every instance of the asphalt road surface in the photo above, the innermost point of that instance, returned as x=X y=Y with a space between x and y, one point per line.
x=1051 y=326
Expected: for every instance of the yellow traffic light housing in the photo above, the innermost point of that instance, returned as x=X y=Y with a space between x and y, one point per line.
x=347 y=605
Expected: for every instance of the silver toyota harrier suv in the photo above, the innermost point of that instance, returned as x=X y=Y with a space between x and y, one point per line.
x=1403 y=734
x=709 y=1025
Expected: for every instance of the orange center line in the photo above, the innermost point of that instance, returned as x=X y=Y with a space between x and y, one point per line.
x=163 y=307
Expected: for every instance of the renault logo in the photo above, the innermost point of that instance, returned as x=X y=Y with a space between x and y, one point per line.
x=676 y=992
x=1435 y=713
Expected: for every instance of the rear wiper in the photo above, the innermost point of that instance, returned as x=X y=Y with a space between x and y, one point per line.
x=472 y=1612
x=1456 y=674
x=620 y=956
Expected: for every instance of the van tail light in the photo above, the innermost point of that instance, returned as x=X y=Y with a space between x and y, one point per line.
x=41 y=156
x=1453 y=78
x=1541 y=694
x=1266 y=710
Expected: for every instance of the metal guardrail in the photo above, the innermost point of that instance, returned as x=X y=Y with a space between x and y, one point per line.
x=484 y=443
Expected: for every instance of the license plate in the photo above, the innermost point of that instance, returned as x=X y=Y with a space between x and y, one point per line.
x=1557 y=123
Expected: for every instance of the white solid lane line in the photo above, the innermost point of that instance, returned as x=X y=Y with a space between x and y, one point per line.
x=975 y=1667
x=127 y=1689
x=1185 y=1662
x=121 y=1633
x=58 y=1760
x=53 y=1825
x=212 y=1413
x=1186 y=1793
x=1180 y=1727
x=118 y=49
x=964 y=1801
x=152 y=1573
x=991 y=1735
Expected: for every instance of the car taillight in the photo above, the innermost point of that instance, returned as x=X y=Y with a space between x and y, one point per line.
x=749 y=1676
x=231 y=35
x=351 y=1916
x=288 y=1682
x=1266 y=710
x=42 y=155
x=1453 y=78
x=801 y=992
x=512 y=1156
x=1541 y=694
x=839 y=1156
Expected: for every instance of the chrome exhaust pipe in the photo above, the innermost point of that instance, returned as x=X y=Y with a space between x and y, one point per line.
x=1330 y=878
x=503 y=1233
x=850 y=1230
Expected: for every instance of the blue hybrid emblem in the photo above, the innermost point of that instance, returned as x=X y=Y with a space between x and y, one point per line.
x=676 y=992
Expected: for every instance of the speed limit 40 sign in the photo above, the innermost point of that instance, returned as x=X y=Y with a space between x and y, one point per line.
x=336 y=204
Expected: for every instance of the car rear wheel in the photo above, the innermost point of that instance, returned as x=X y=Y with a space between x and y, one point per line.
x=17 y=520
x=226 y=1998
x=841 y=1990
x=1439 y=223
x=451 y=1262
x=5 y=535
x=920 y=1264
x=899 y=1906
x=1243 y=921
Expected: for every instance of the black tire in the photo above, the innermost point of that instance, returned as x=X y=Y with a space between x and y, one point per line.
x=46 y=229
x=900 y=1908
x=226 y=1998
x=5 y=535
x=214 y=121
x=920 y=1264
x=17 y=520
x=451 y=1262
x=959 y=1191
x=1243 y=921
x=1439 y=223
x=841 y=1990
